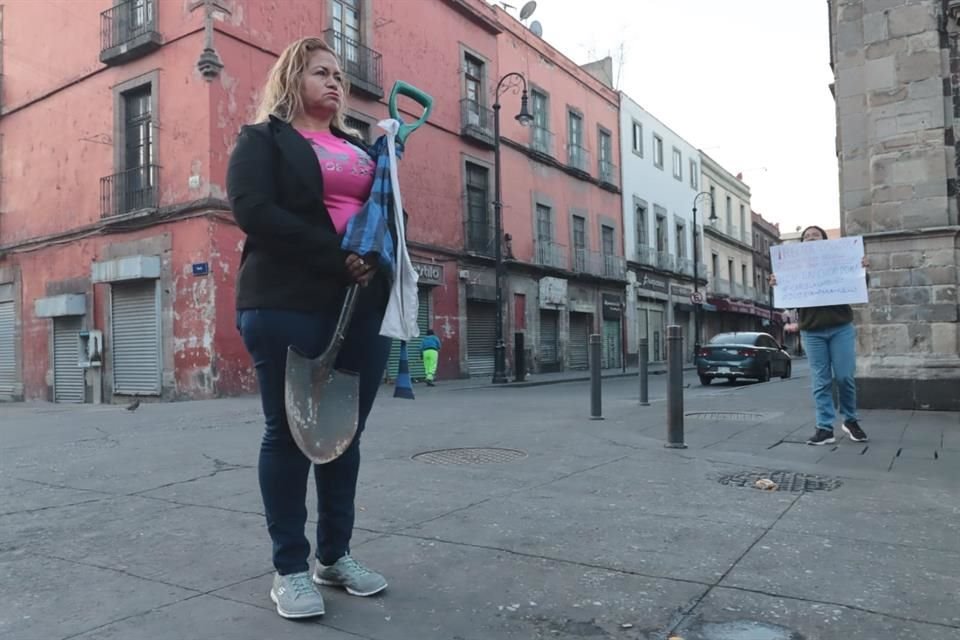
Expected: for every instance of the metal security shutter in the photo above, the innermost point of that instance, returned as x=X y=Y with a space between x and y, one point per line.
x=549 y=337
x=481 y=338
x=136 y=338
x=579 y=339
x=68 y=380
x=611 y=344
x=8 y=363
x=413 y=347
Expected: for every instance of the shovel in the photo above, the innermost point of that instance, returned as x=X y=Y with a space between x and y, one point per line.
x=323 y=403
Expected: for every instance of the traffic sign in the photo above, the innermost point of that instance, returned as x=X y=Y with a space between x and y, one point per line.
x=696 y=297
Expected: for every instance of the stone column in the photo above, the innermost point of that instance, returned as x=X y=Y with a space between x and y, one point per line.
x=896 y=93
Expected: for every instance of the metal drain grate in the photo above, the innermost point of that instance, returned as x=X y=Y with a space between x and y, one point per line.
x=727 y=416
x=788 y=481
x=479 y=455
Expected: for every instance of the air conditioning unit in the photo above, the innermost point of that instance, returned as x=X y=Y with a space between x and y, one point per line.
x=463 y=274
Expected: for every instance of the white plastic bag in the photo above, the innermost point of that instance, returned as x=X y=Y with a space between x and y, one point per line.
x=400 y=319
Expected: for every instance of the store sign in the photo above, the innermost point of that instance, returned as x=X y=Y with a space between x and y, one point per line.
x=429 y=273
x=612 y=307
x=553 y=292
x=652 y=283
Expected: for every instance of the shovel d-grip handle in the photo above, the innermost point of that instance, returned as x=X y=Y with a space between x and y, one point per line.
x=425 y=100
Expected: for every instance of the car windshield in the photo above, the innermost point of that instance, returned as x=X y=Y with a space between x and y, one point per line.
x=733 y=338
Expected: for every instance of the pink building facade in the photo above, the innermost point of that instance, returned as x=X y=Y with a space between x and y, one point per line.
x=117 y=249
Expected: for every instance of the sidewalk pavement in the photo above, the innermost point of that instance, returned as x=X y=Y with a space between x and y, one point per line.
x=148 y=524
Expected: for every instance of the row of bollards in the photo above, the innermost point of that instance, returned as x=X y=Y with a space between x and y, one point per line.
x=674 y=383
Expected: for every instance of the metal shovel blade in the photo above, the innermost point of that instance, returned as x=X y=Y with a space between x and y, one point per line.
x=322 y=403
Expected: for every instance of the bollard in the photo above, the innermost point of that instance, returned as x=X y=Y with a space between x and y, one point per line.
x=519 y=358
x=644 y=355
x=675 y=388
x=596 y=412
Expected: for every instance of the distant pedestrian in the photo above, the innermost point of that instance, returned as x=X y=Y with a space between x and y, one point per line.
x=830 y=340
x=430 y=353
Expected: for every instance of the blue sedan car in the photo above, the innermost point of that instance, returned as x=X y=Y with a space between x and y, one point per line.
x=743 y=355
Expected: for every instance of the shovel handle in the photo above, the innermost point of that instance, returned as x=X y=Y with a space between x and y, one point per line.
x=346 y=314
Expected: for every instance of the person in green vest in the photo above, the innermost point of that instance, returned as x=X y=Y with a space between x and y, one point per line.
x=430 y=353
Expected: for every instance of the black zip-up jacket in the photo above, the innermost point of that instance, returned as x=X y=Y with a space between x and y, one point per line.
x=291 y=257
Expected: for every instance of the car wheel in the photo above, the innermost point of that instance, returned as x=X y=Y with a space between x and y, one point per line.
x=765 y=376
x=705 y=380
x=788 y=372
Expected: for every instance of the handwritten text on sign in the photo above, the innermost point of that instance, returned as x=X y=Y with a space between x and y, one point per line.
x=819 y=274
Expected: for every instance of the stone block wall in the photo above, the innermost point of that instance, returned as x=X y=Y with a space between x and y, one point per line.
x=897 y=89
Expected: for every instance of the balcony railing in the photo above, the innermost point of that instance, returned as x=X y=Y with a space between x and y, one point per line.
x=128 y=30
x=599 y=264
x=551 y=254
x=665 y=261
x=607 y=171
x=578 y=157
x=719 y=285
x=476 y=121
x=647 y=256
x=480 y=237
x=363 y=65
x=613 y=267
x=132 y=190
x=541 y=140
x=685 y=266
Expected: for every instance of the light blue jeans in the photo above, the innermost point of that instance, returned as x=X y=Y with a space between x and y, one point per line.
x=832 y=353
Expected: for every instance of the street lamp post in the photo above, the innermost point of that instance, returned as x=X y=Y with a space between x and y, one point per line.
x=513 y=80
x=696 y=267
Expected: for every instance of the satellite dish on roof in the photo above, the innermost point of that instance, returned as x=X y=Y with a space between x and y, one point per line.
x=536 y=28
x=528 y=10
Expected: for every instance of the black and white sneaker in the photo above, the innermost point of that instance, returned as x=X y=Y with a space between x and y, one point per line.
x=821 y=437
x=853 y=431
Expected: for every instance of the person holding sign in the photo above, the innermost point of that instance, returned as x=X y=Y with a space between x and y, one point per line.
x=827 y=331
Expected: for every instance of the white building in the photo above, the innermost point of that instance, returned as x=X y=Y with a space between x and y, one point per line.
x=728 y=253
x=661 y=176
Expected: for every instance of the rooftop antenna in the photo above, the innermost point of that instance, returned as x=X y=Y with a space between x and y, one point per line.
x=536 y=28
x=528 y=9
x=507 y=6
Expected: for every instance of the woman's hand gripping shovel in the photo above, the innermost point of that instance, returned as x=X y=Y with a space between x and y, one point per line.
x=322 y=402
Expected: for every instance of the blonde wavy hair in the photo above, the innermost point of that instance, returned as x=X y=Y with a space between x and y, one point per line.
x=282 y=95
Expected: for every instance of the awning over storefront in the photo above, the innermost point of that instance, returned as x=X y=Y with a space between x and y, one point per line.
x=744 y=307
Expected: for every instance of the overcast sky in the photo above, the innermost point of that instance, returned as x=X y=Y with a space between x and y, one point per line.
x=746 y=81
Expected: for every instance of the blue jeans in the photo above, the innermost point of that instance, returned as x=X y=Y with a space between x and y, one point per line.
x=283 y=468
x=832 y=353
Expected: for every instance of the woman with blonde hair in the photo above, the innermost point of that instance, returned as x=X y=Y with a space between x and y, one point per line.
x=295 y=180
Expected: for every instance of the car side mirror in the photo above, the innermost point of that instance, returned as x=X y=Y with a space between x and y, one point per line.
x=783 y=347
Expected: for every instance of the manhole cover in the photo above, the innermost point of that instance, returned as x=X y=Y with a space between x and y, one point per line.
x=741 y=630
x=786 y=481
x=477 y=455
x=727 y=416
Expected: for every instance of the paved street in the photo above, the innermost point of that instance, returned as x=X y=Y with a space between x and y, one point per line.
x=148 y=525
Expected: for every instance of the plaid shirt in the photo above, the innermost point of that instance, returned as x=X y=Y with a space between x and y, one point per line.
x=370 y=230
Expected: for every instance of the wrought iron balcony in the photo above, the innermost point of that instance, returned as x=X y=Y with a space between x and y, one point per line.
x=608 y=173
x=599 y=264
x=541 y=140
x=476 y=122
x=479 y=236
x=578 y=157
x=551 y=254
x=128 y=30
x=363 y=65
x=665 y=261
x=685 y=266
x=647 y=255
x=131 y=190
x=721 y=286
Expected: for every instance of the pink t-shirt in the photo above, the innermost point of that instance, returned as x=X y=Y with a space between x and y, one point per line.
x=347 y=175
